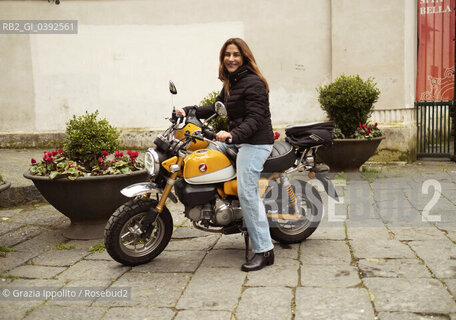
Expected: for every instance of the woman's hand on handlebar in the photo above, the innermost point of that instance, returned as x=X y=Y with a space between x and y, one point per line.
x=181 y=111
x=223 y=136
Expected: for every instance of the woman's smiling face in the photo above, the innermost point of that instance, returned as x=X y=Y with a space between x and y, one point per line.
x=233 y=58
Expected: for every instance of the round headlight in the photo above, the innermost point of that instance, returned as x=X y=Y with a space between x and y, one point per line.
x=152 y=162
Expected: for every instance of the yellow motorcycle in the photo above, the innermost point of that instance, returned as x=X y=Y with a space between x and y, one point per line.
x=204 y=179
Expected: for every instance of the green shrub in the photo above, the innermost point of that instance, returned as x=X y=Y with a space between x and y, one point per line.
x=348 y=100
x=87 y=137
x=216 y=123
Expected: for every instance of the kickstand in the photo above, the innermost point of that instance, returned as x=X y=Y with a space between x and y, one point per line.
x=246 y=239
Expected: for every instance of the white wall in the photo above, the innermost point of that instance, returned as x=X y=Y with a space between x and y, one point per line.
x=126 y=51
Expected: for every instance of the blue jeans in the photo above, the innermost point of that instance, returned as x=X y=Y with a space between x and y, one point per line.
x=249 y=164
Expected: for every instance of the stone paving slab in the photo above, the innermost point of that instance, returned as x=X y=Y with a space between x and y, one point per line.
x=329 y=233
x=265 y=303
x=188 y=232
x=42 y=217
x=222 y=293
x=435 y=250
x=36 y=272
x=333 y=303
x=451 y=284
x=429 y=232
x=393 y=268
x=7 y=228
x=325 y=252
x=283 y=273
x=122 y=313
x=288 y=251
x=19 y=235
x=224 y=259
x=381 y=249
x=150 y=289
x=410 y=295
x=59 y=258
x=367 y=232
x=86 y=270
x=9 y=212
x=232 y=241
x=65 y=313
x=195 y=244
x=83 y=284
x=203 y=315
x=329 y=276
x=18 y=309
x=173 y=261
x=409 y=316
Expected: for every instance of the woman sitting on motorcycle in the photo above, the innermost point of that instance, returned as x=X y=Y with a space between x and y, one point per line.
x=245 y=94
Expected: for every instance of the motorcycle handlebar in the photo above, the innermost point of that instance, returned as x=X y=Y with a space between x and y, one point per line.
x=208 y=133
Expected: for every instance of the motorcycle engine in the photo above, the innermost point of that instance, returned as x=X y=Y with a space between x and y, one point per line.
x=222 y=213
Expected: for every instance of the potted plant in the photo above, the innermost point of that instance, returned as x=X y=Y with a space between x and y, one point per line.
x=83 y=179
x=349 y=102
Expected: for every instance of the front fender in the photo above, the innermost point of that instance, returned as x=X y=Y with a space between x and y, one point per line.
x=141 y=188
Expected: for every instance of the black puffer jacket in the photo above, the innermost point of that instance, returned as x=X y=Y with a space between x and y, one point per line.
x=247 y=107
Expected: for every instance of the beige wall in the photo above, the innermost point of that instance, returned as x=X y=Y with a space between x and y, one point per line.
x=126 y=51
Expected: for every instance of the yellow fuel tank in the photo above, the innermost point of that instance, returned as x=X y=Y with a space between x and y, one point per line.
x=190 y=128
x=207 y=166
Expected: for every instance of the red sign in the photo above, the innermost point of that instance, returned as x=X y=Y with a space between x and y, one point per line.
x=435 y=74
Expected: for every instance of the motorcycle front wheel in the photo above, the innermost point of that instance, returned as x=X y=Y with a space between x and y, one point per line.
x=124 y=240
x=310 y=214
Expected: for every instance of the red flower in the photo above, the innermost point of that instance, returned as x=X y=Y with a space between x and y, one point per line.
x=33 y=161
x=276 y=135
x=118 y=154
x=105 y=153
x=375 y=125
x=360 y=125
x=60 y=151
x=48 y=159
x=100 y=160
x=129 y=152
x=54 y=153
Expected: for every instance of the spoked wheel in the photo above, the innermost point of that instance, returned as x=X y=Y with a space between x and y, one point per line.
x=307 y=219
x=127 y=243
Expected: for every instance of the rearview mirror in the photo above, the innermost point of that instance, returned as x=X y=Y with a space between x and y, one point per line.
x=220 y=109
x=172 y=88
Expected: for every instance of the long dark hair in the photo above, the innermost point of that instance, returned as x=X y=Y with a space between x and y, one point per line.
x=249 y=62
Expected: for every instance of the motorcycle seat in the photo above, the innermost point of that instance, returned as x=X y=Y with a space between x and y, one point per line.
x=281 y=158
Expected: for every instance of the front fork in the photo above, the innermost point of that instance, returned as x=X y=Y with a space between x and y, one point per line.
x=169 y=185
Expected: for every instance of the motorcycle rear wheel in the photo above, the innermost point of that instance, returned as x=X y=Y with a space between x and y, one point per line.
x=123 y=240
x=312 y=207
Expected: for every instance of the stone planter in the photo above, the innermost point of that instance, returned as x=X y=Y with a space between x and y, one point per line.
x=87 y=201
x=348 y=155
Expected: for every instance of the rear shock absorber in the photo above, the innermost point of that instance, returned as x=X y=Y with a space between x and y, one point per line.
x=292 y=202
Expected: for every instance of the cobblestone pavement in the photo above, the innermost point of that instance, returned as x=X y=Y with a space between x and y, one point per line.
x=386 y=251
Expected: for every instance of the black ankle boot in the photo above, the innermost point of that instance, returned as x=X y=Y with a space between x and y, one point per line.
x=259 y=260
